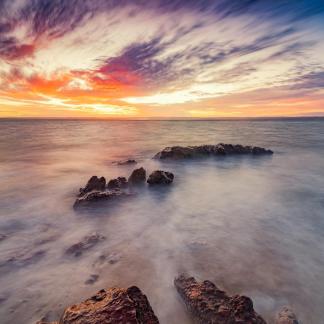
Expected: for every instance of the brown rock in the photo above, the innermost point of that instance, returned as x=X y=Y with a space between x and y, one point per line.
x=100 y=196
x=112 y=306
x=87 y=243
x=286 y=316
x=160 y=177
x=127 y=162
x=94 y=183
x=119 y=183
x=181 y=152
x=211 y=305
x=138 y=176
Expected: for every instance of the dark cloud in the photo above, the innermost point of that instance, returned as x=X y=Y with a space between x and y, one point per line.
x=310 y=81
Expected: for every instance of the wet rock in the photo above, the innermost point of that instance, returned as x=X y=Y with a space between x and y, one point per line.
x=94 y=183
x=106 y=258
x=211 y=305
x=87 y=243
x=127 y=162
x=22 y=259
x=3 y=237
x=92 y=279
x=100 y=196
x=186 y=152
x=112 y=306
x=286 y=316
x=138 y=176
x=119 y=183
x=160 y=177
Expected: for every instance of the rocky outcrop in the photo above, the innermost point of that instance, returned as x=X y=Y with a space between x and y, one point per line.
x=127 y=162
x=112 y=306
x=210 y=305
x=94 y=183
x=119 y=183
x=160 y=177
x=138 y=176
x=286 y=316
x=87 y=243
x=89 y=198
x=186 y=152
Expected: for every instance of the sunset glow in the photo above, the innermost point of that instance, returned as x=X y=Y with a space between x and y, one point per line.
x=161 y=59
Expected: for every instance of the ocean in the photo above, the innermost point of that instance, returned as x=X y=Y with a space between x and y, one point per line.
x=252 y=225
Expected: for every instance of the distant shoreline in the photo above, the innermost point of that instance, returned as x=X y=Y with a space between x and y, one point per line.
x=296 y=118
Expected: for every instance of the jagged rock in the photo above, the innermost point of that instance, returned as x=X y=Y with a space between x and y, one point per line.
x=138 y=176
x=111 y=306
x=127 y=162
x=119 y=183
x=211 y=305
x=160 y=177
x=286 y=316
x=94 y=183
x=87 y=243
x=181 y=152
x=100 y=196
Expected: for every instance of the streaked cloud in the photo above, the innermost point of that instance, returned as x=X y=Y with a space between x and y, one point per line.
x=161 y=58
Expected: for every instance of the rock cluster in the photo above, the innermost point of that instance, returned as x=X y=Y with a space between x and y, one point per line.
x=96 y=189
x=210 y=305
x=186 y=152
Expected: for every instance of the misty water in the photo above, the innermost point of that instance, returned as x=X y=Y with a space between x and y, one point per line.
x=252 y=225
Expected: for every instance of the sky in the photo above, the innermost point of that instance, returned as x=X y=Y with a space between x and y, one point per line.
x=161 y=59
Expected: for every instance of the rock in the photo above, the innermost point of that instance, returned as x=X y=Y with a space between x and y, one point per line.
x=92 y=279
x=286 y=316
x=94 y=183
x=138 y=176
x=100 y=196
x=112 y=306
x=127 y=162
x=3 y=237
x=180 y=152
x=160 y=177
x=119 y=183
x=87 y=243
x=210 y=305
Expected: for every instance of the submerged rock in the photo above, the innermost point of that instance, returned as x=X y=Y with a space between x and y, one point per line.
x=94 y=183
x=111 y=306
x=185 y=152
x=138 y=176
x=100 y=196
x=92 y=279
x=119 y=183
x=87 y=243
x=286 y=316
x=160 y=177
x=211 y=305
x=127 y=162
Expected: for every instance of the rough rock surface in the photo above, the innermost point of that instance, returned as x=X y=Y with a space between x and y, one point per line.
x=112 y=306
x=138 y=176
x=119 y=183
x=94 y=183
x=210 y=305
x=96 y=196
x=87 y=243
x=286 y=316
x=160 y=177
x=185 y=152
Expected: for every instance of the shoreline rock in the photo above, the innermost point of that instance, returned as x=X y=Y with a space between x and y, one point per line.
x=160 y=177
x=221 y=149
x=93 y=184
x=210 y=305
x=138 y=176
x=286 y=316
x=114 y=305
x=118 y=183
x=100 y=196
x=126 y=162
x=85 y=244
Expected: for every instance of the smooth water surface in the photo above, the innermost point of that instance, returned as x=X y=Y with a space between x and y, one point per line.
x=253 y=225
